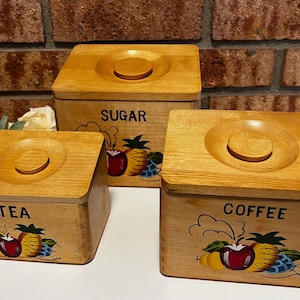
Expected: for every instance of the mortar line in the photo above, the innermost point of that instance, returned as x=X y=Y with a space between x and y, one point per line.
x=206 y=93
x=26 y=95
x=277 y=70
x=48 y=26
x=206 y=25
x=249 y=91
x=264 y=44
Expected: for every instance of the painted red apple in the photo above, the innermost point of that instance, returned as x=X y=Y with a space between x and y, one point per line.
x=10 y=246
x=237 y=256
x=116 y=162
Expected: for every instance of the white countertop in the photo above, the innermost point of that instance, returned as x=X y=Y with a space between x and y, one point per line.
x=126 y=265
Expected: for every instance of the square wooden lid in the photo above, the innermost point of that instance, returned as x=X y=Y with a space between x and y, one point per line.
x=233 y=153
x=57 y=166
x=130 y=72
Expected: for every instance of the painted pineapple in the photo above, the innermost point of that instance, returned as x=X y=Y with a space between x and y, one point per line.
x=266 y=253
x=30 y=240
x=136 y=155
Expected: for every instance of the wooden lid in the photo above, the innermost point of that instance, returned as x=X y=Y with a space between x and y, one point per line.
x=133 y=68
x=233 y=153
x=53 y=165
x=130 y=72
x=31 y=161
x=250 y=146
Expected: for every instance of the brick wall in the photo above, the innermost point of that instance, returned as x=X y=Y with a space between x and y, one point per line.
x=250 y=49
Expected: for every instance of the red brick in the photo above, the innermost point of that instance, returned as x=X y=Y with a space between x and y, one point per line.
x=236 y=67
x=256 y=20
x=258 y=103
x=21 y=21
x=291 y=69
x=15 y=108
x=92 y=20
x=30 y=70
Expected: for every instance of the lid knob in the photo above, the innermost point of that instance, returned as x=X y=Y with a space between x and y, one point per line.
x=133 y=68
x=31 y=161
x=250 y=146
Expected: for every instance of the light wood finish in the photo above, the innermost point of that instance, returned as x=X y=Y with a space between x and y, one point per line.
x=202 y=163
x=31 y=161
x=133 y=68
x=58 y=182
x=88 y=73
x=250 y=146
x=209 y=196
x=183 y=240
x=150 y=121
x=125 y=91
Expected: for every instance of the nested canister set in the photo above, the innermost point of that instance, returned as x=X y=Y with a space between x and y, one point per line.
x=129 y=115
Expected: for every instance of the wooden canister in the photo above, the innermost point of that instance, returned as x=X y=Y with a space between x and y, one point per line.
x=230 y=197
x=126 y=92
x=54 y=195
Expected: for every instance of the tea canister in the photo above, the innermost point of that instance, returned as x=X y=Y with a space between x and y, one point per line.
x=126 y=92
x=54 y=195
x=230 y=197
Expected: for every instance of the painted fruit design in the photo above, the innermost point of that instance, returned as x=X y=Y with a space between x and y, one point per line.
x=136 y=155
x=10 y=246
x=237 y=256
x=47 y=247
x=261 y=256
x=116 y=162
x=30 y=239
x=152 y=169
x=282 y=264
x=29 y=243
x=136 y=160
x=212 y=260
x=266 y=250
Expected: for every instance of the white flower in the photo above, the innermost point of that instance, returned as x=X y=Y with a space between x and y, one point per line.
x=40 y=118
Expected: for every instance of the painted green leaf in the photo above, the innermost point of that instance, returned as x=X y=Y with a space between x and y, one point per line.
x=269 y=238
x=49 y=242
x=292 y=254
x=216 y=246
x=136 y=143
x=157 y=157
x=30 y=229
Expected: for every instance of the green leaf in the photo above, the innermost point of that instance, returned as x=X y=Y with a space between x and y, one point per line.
x=49 y=242
x=34 y=229
x=135 y=143
x=269 y=238
x=292 y=254
x=31 y=229
x=216 y=246
x=157 y=157
x=3 y=121
x=18 y=125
